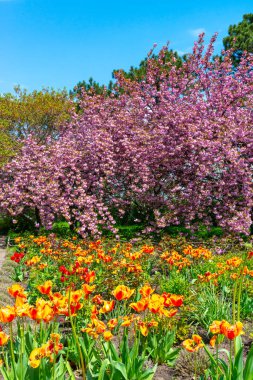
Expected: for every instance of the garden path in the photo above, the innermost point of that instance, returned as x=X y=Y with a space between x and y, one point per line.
x=2 y=250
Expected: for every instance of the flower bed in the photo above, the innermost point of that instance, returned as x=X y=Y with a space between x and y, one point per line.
x=109 y=310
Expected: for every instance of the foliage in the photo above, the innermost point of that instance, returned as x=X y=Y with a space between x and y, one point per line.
x=91 y=87
x=134 y=73
x=211 y=304
x=140 y=73
x=240 y=37
x=5 y=224
x=107 y=161
x=40 y=113
x=128 y=364
x=160 y=347
x=9 y=145
x=175 y=283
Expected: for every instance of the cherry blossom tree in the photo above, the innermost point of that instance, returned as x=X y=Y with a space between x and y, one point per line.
x=177 y=146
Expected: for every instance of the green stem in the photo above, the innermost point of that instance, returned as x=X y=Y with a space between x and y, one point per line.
x=78 y=346
x=195 y=365
x=239 y=297
x=213 y=361
x=41 y=333
x=22 y=345
x=230 y=359
x=12 y=351
x=3 y=358
x=234 y=302
x=77 y=340
x=217 y=361
x=53 y=371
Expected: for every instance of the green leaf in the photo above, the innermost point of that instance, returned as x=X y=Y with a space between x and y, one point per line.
x=70 y=372
x=148 y=374
x=248 y=368
x=120 y=367
x=60 y=369
x=111 y=350
x=238 y=365
x=238 y=344
x=21 y=367
x=4 y=373
x=224 y=366
x=103 y=368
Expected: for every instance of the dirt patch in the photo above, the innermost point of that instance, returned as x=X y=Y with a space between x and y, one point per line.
x=164 y=372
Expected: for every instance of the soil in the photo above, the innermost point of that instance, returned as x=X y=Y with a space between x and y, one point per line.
x=163 y=372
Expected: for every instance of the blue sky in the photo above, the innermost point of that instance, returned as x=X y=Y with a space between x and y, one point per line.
x=56 y=43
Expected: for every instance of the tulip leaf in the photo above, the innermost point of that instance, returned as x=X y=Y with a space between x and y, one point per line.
x=102 y=372
x=248 y=369
x=119 y=367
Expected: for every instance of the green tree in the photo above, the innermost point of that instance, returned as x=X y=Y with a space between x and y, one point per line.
x=134 y=73
x=240 y=37
x=139 y=73
x=9 y=146
x=90 y=87
x=39 y=112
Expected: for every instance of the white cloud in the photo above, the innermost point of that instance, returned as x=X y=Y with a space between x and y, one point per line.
x=197 y=31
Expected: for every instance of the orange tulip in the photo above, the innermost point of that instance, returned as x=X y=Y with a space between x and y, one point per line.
x=95 y=328
x=213 y=340
x=176 y=300
x=88 y=289
x=107 y=307
x=99 y=326
x=23 y=310
x=107 y=335
x=122 y=292
x=143 y=329
x=35 y=357
x=234 y=262
x=17 y=290
x=148 y=249
x=54 y=345
x=226 y=329
x=43 y=310
x=7 y=314
x=49 y=349
x=194 y=344
x=94 y=312
x=76 y=296
x=97 y=299
x=169 y=313
x=250 y=254
x=112 y=323
x=146 y=291
x=167 y=301
x=152 y=323
x=154 y=307
x=45 y=288
x=215 y=327
x=35 y=260
x=155 y=303
x=20 y=300
x=140 y=305
x=90 y=277
x=127 y=320
x=3 y=338
x=232 y=331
